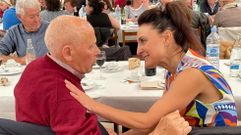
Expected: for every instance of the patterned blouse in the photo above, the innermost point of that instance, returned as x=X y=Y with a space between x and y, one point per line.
x=219 y=113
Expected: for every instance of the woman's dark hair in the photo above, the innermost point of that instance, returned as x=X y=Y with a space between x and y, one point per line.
x=97 y=6
x=177 y=18
x=107 y=2
x=53 y=5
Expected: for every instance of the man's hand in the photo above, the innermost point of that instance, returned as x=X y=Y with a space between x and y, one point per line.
x=172 y=124
x=20 y=60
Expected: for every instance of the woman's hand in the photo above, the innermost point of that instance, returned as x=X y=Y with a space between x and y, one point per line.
x=80 y=96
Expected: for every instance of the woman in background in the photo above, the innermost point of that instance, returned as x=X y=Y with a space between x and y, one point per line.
x=53 y=10
x=134 y=8
x=193 y=86
x=70 y=7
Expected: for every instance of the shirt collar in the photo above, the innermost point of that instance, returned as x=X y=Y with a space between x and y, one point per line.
x=67 y=67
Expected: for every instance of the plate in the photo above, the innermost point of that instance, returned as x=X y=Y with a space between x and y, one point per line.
x=112 y=67
x=6 y=71
x=133 y=78
x=87 y=84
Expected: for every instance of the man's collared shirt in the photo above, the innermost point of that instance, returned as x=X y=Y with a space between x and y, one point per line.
x=67 y=67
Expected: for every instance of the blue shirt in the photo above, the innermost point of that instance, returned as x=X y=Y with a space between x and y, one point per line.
x=10 y=18
x=16 y=40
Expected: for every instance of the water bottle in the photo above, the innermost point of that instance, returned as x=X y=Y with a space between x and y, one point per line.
x=117 y=12
x=235 y=59
x=83 y=11
x=30 y=52
x=213 y=47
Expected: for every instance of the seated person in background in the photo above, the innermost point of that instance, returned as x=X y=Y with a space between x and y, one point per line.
x=70 y=57
x=134 y=8
x=229 y=16
x=3 y=6
x=15 y=40
x=209 y=6
x=70 y=6
x=103 y=23
x=42 y=4
x=193 y=86
x=52 y=10
x=10 y=18
x=200 y=21
x=107 y=7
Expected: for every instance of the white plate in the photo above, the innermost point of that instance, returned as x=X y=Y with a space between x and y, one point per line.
x=112 y=67
x=133 y=78
x=87 y=84
x=6 y=71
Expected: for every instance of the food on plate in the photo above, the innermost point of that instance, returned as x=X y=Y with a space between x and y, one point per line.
x=4 y=81
x=133 y=63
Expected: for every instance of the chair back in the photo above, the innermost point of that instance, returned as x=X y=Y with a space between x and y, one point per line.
x=102 y=35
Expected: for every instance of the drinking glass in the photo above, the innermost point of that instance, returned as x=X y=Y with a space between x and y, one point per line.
x=100 y=60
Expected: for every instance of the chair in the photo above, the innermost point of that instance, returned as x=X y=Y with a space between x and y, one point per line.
x=106 y=35
x=128 y=33
x=216 y=131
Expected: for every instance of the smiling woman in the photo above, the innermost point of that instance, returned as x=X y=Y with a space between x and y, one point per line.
x=193 y=85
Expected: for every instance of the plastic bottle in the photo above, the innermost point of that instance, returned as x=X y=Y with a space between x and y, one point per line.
x=82 y=11
x=235 y=59
x=213 y=47
x=117 y=12
x=30 y=52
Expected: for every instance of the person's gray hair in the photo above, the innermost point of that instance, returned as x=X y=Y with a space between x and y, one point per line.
x=21 y=5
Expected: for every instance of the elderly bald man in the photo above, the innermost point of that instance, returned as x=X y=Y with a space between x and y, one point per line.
x=47 y=102
x=229 y=16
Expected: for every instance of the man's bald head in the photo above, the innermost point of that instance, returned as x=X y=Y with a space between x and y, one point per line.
x=72 y=41
x=66 y=30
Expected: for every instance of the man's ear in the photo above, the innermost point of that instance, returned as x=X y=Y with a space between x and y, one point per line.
x=67 y=53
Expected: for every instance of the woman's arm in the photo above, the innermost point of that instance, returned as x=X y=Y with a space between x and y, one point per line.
x=115 y=24
x=183 y=90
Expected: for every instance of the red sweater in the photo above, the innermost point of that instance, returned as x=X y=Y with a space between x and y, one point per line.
x=42 y=98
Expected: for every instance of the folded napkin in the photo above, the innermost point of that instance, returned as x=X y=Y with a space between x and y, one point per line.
x=152 y=85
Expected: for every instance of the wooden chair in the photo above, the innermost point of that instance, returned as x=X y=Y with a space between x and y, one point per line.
x=126 y=33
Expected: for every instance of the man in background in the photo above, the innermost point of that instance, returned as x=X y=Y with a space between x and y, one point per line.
x=230 y=14
x=31 y=27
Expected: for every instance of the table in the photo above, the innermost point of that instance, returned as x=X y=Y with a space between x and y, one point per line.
x=114 y=91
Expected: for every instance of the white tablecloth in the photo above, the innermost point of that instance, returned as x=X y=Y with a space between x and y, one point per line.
x=112 y=90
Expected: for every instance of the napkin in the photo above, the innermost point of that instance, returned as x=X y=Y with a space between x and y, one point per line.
x=153 y=85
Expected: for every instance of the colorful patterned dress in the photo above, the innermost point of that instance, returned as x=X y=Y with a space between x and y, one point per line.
x=197 y=113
